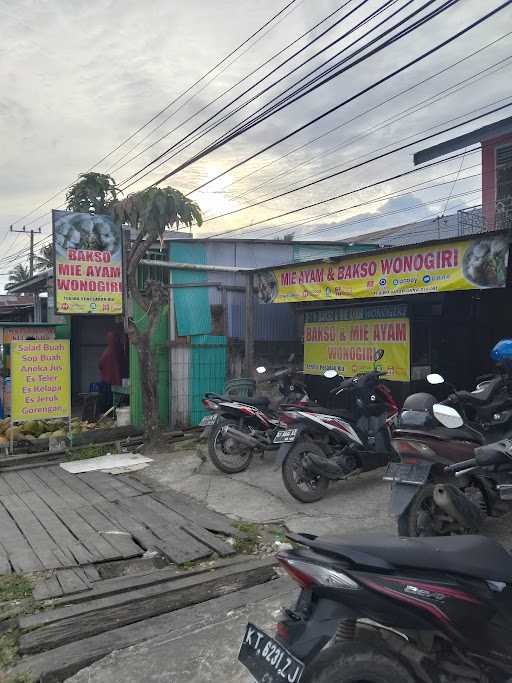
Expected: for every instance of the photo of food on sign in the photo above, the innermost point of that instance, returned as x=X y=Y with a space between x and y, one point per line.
x=266 y=287
x=485 y=262
x=88 y=264
x=85 y=231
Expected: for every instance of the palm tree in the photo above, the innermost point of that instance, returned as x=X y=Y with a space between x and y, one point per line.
x=93 y=192
x=17 y=275
x=44 y=259
x=150 y=212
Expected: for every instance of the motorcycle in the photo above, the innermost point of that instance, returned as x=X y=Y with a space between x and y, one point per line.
x=377 y=609
x=239 y=427
x=426 y=499
x=324 y=444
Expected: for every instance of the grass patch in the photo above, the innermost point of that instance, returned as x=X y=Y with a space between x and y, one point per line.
x=247 y=542
x=15 y=678
x=14 y=587
x=92 y=451
x=8 y=642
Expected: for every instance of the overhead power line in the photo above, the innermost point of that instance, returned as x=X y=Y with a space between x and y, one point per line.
x=170 y=104
x=377 y=157
x=413 y=109
x=329 y=111
x=242 y=80
x=244 y=126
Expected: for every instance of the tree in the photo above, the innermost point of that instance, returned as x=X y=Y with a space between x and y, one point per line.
x=44 y=259
x=17 y=275
x=93 y=192
x=150 y=212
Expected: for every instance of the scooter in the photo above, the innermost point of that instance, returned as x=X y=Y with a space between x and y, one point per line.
x=324 y=444
x=380 y=609
x=239 y=428
x=425 y=498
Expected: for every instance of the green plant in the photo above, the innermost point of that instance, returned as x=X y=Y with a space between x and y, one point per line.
x=92 y=192
x=17 y=275
x=247 y=541
x=93 y=451
x=14 y=587
x=150 y=212
x=16 y=678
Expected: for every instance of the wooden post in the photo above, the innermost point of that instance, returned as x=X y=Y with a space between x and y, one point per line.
x=249 y=325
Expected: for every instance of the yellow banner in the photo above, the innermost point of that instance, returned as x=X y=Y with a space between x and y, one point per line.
x=41 y=387
x=88 y=264
x=349 y=347
x=466 y=264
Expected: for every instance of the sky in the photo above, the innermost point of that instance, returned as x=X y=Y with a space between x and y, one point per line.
x=80 y=77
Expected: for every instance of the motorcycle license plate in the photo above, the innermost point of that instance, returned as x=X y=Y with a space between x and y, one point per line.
x=267 y=660
x=285 y=436
x=407 y=474
x=208 y=421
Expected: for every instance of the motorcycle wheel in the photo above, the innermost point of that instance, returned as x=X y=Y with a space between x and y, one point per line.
x=423 y=517
x=305 y=487
x=226 y=454
x=357 y=663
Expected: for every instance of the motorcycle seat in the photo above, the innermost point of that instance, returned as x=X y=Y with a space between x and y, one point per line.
x=255 y=401
x=336 y=412
x=475 y=556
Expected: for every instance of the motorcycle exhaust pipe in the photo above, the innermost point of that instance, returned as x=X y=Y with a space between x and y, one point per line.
x=458 y=506
x=241 y=437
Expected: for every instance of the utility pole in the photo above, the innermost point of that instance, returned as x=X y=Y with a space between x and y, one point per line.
x=31 y=233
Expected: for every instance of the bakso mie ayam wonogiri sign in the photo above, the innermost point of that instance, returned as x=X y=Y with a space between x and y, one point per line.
x=88 y=264
x=477 y=263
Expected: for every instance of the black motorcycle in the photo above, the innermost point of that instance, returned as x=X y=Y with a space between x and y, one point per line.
x=380 y=609
x=326 y=444
x=428 y=437
x=239 y=428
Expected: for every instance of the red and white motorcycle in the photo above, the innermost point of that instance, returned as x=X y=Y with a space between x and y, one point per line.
x=325 y=444
x=239 y=428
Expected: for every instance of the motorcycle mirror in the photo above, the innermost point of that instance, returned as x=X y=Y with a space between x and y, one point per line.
x=434 y=378
x=447 y=416
x=330 y=374
x=378 y=354
x=261 y=369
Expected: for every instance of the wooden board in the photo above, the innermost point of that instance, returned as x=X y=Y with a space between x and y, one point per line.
x=46 y=588
x=5 y=565
x=68 y=495
x=21 y=555
x=98 y=546
x=135 y=483
x=5 y=489
x=62 y=662
x=16 y=482
x=50 y=555
x=100 y=483
x=66 y=624
x=117 y=537
x=91 y=495
x=57 y=529
x=106 y=587
x=142 y=535
x=52 y=499
x=184 y=525
x=72 y=581
x=175 y=543
x=196 y=512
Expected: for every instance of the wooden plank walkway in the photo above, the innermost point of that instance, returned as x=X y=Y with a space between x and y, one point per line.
x=54 y=521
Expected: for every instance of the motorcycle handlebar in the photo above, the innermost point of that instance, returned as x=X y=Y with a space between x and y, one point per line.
x=461 y=465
